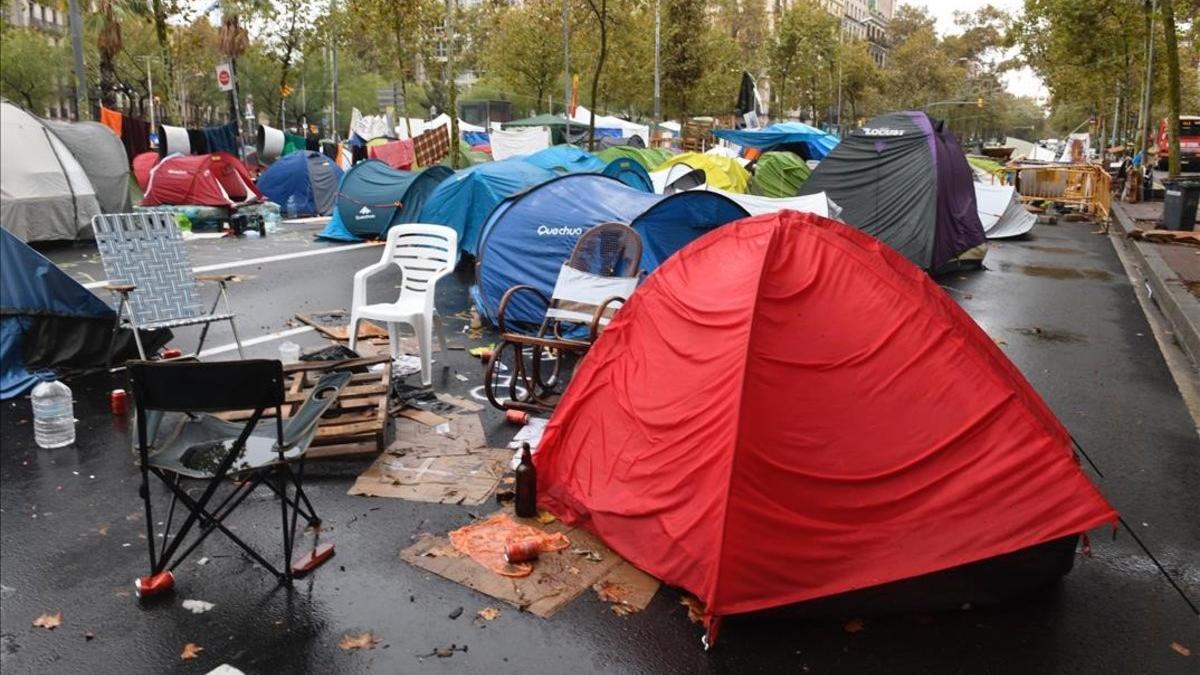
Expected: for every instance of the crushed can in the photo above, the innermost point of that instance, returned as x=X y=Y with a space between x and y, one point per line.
x=118 y=401
x=517 y=417
x=522 y=550
x=154 y=584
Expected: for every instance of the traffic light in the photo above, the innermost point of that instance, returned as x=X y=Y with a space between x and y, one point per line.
x=285 y=90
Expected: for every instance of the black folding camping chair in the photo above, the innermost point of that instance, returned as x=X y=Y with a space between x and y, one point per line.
x=178 y=440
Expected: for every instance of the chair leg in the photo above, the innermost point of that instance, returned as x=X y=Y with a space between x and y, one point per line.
x=354 y=331
x=236 y=340
x=441 y=329
x=393 y=330
x=425 y=342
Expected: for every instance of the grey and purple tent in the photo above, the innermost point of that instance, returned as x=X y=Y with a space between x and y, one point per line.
x=903 y=179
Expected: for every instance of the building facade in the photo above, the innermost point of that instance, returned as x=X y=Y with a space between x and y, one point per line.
x=54 y=24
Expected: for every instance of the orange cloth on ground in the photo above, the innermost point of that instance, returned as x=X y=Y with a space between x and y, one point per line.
x=112 y=119
x=484 y=542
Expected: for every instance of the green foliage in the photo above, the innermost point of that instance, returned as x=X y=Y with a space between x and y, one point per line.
x=29 y=66
x=523 y=53
x=802 y=58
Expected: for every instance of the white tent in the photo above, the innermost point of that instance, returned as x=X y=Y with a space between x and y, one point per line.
x=1001 y=211
x=757 y=205
x=583 y=116
x=44 y=192
x=523 y=141
x=1022 y=149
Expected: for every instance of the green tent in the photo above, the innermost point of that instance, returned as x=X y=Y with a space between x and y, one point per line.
x=647 y=157
x=779 y=174
x=557 y=126
x=467 y=156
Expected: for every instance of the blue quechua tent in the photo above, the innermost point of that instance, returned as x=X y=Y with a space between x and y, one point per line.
x=464 y=200
x=566 y=159
x=46 y=314
x=529 y=236
x=309 y=178
x=808 y=142
x=630 y=172
x=373 y=197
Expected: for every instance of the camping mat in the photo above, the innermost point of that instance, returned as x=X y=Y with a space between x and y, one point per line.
x=335 y=325
x=557 y=577
x=451 y=466
x=779 y=174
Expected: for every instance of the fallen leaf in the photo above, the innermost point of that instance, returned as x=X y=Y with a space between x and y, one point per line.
x=545 y=517
x=695 y=608
x=103 y=531
x=1180 y=649
x=365 y=641
x=488 y=613
x=854 y=626
x=610 y=591
x=622 y=609
x=48 y=621
x=190 y=651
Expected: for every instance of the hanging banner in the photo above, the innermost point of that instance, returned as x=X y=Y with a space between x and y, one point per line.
x=224 y=77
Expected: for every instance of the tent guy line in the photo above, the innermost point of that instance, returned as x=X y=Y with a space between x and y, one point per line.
x=260 y=261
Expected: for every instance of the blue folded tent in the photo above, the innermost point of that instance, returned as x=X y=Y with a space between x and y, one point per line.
x=477 y=137
x=308 y=178
x=808 y=142
x=373 y=197
x=566 y=159
x=630 y=172
x=40 y=302
x=464 y=200
x=529 y=236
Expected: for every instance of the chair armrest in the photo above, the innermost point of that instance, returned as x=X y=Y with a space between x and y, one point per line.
x=222 y=278
x=120 y=288
x=508 y=295
x=323 y=396
x=599 y=314
x=359 y=295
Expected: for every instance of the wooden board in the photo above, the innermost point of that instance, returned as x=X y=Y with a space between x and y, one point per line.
x=357 y=424
x=329 y=324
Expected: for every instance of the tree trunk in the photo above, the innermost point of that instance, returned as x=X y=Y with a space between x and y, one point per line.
x=1173 y=102
x=108 y=80
x=164 y=51
x=602 y=18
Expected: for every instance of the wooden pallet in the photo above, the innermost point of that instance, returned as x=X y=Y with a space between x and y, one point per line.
x=358 y=424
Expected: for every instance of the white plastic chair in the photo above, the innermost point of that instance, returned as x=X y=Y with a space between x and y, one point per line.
x=424 y=254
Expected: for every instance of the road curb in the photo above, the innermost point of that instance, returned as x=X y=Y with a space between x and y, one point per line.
x=1181 y=309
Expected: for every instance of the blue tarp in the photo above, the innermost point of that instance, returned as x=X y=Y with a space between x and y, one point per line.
x=566 y=159
x=292 y=176
x=528 y=237
x=464 y=200
x=630 y=172
x=32 y=286
x=477 y=137
x=373 y=197
x=816 y=142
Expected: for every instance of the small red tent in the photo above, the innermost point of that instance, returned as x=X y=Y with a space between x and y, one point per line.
x=142 y=164
x=788 y=409
x=217 y=179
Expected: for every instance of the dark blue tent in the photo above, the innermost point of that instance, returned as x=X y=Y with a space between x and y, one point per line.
x=566 y=159
x=464 y=200
x=802 y=139
x=373 y=197
x=529 y=236
x=309 y=178
x=39 y=302
x=630 y=172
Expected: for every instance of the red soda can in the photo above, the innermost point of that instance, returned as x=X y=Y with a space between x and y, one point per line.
x=154 y=584
x=517 y=417
x=522 y=550
x=171 y=353
x=118 y=400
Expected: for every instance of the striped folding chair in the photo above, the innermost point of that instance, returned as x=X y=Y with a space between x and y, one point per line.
x=147 y=265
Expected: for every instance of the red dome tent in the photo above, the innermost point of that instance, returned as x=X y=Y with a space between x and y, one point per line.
x=142 y=165
x=789 y=410
x=217 y=179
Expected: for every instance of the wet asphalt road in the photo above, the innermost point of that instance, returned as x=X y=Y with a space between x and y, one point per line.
x=1059 y=302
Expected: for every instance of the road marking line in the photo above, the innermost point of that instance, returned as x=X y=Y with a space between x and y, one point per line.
x=257 y=341
x=260 y=261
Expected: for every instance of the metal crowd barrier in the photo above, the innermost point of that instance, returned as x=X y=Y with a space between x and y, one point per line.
x=1085 y=186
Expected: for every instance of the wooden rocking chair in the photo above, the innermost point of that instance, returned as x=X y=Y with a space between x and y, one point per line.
x=601 y=273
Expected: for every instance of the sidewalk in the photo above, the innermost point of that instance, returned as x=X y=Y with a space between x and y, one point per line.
x=1172 y=271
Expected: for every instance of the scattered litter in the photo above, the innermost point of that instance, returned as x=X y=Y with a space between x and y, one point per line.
x=1180 y=649
x=102 y=531
x=545 y=517
x=335 y=325
x=365 y=640
x=202 y=561
x=197 y=606
x=854 y=626
x=225 y=669
x=488 y=613
x=456 y=613
x=485 y=543
x=460 y=377
x=695 y=608
x=190 y=651
x=443 y=428
x=615 y=594
x=406 y=364
x=477 y=352
x=89 y=636
x=49 y=621
x=443 y=652
x=588 y=554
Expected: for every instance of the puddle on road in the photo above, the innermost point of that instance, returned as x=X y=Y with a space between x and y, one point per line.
x=1053 y=249
x=1051 y=335
x=1054 y=272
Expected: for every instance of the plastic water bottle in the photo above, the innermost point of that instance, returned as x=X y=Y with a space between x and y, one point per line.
x=291 y=207
x=53 y=415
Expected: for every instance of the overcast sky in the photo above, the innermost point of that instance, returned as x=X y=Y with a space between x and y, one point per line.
x=1023 y=82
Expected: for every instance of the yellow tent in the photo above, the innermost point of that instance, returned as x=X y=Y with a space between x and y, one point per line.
x=725 y=173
